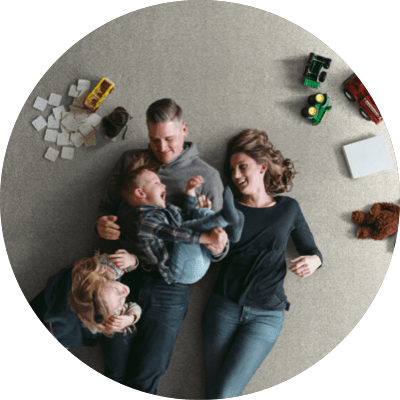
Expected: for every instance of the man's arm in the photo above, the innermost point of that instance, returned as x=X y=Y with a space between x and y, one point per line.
x=106 y=218
x=112 y=197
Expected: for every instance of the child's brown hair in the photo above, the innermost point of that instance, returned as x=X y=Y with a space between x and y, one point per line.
x=130 y=180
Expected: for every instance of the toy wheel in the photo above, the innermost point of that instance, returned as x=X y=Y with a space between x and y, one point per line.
x=304 y=113
x=364 y=115
x=322 y=76
x=306 y=71
x=311 y=99
x=319 y=98
x=312 y=111
x=348 y=94
x=310 y=58
x=327 y=63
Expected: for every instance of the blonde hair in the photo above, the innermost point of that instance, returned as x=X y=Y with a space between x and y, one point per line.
x=88 y=278
x=255 y=143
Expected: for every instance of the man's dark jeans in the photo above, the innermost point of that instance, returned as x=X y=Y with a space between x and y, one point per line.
x=163 y=309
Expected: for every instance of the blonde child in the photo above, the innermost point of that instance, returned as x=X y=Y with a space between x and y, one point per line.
x=87 y=300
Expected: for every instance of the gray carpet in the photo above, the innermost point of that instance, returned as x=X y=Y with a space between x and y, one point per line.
x=226 y=76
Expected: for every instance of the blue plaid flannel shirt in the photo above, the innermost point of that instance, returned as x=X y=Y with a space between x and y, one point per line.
x=160 y=227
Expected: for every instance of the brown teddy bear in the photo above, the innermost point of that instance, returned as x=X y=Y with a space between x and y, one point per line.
x=381 y=222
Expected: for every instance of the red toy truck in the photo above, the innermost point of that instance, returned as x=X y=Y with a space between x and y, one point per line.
x=354 y=90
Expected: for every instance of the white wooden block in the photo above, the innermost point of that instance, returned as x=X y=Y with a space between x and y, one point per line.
x=51 y=135
x=51 y=154
x=83 y=85
x=40 y=104
x=63 y=139
x=73 y=92
x=80 y=118
x=52 y=123
x=368 y=156
x=39 y=123
x=67 y=153
x=69 y=123
x=58 y=112
x=77 y=139
x=94 y=119
x=85 y=128
x=55 y=99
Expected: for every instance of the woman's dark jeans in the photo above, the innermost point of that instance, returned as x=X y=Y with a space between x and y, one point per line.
x=236 y=341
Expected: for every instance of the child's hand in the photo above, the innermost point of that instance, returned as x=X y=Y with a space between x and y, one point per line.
x=204 y=202
x=120 y=322
x=193 y=183
x=122 y=259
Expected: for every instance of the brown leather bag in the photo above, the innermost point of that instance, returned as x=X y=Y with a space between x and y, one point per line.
x=116 y=122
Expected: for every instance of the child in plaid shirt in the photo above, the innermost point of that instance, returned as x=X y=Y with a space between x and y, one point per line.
x=173 y=238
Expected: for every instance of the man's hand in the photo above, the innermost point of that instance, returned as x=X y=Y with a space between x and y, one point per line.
x=215 y=240
x=193 y=183
x=123 y=260
x=107 y=228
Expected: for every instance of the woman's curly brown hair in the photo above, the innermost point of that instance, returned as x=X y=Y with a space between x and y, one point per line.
x=255 y=143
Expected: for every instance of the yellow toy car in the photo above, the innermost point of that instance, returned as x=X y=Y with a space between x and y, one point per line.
x=99 y=93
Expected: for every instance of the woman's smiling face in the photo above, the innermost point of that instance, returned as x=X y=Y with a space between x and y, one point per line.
x=246 y=174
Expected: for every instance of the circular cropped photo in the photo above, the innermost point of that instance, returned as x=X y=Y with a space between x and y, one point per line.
x=199 y=200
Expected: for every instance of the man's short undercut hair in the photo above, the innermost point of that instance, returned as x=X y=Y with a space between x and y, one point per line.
x=163 y=110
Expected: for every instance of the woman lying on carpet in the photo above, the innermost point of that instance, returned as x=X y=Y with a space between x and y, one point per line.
x=244 y=315
x=83 y=302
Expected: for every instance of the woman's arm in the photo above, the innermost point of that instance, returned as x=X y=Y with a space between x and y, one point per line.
x=305 y=265
x=310 y=257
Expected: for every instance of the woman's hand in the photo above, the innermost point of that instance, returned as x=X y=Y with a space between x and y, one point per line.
x=204 y=202
x=120 y=322
x=305 y=265
x=122 y=259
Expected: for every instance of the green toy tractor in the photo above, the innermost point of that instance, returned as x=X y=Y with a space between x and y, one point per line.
x=312 y=71
x=317 y=109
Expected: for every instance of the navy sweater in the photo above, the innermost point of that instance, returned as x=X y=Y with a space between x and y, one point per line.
x=253 y=272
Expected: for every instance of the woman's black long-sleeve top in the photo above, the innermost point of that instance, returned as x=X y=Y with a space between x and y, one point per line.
x=253 y=272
